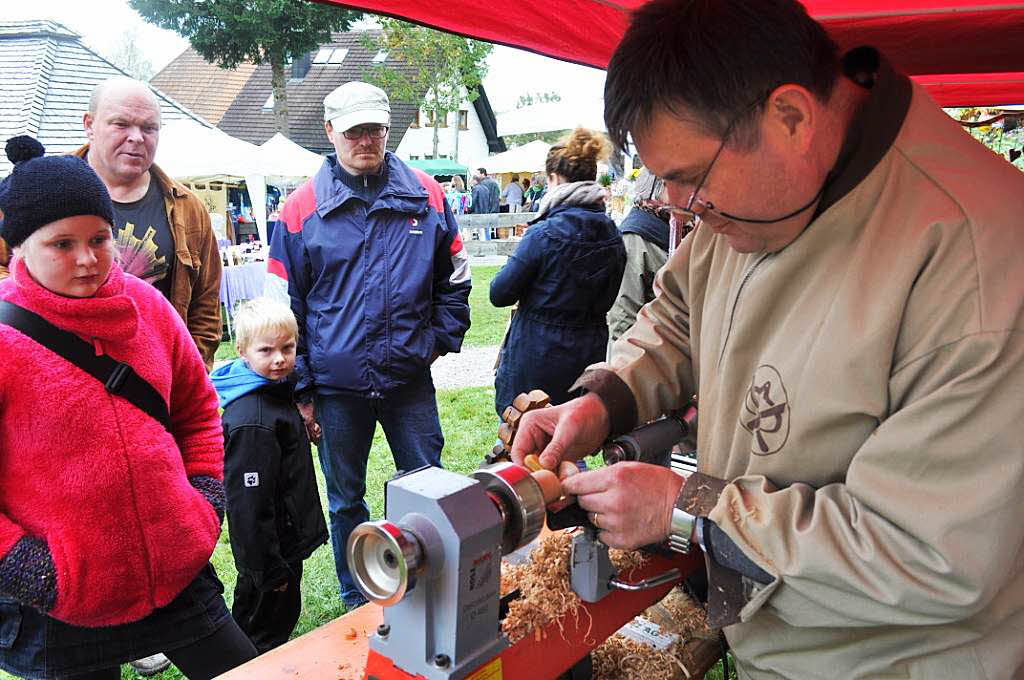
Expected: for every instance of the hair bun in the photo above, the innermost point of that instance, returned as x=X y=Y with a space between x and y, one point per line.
x=23 y=148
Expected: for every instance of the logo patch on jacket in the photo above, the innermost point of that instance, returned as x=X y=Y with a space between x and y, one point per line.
x=251 y=479
x=766 y=412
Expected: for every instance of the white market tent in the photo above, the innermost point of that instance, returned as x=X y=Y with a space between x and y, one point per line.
x=283 y=158
x=522 y=159
x=552 y=116
x=190 y=150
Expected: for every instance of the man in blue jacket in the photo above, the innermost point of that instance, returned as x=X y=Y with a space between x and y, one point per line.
x=371 y=259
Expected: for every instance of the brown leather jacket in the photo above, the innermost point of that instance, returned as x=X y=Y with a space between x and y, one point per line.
x=195 y=277
x=5 y=258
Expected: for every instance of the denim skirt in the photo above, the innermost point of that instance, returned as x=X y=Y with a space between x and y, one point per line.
x=33 y=645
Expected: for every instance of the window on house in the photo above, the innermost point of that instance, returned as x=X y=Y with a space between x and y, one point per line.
x=380 y=57
x=338 y=55
x=428 y=157
x=300 y=66
x=463 y=120
x=322 y=55
x=269 y=104
x=428 y=119
x=415 y=120
x=444 y=120
x=414 y=158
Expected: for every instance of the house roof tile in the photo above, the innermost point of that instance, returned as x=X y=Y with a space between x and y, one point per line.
x=48 y=77
x=247 y=119
x=203 y=87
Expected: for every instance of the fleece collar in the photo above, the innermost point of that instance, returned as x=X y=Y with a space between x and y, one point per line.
x=110 y=315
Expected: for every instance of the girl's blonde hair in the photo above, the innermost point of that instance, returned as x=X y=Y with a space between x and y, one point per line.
x=262 y=315
x=575 y=156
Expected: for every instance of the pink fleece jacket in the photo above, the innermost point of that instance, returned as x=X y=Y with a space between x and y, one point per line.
x=103 y=484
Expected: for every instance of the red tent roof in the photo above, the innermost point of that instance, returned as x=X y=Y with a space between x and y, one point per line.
x=983 y=39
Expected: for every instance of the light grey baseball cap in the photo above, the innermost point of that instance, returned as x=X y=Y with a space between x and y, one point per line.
x=356 y=103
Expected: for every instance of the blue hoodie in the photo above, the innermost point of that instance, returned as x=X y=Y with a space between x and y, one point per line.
x=236 y=380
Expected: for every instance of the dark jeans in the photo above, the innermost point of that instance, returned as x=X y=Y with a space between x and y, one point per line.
x=413 y=430
x=268 y=617
x=203 y=659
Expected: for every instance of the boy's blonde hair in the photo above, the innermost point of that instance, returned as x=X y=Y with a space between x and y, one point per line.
x=261 y=315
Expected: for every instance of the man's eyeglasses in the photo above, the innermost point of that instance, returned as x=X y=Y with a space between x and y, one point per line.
x=373 y=131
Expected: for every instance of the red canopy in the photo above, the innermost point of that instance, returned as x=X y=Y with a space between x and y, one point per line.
x=981 y=39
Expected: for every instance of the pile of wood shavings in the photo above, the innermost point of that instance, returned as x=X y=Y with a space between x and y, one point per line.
x=545 y=594
x=544 y=591
x=623 y=658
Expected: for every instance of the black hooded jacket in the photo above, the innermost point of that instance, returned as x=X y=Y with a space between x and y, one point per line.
x=273 y=505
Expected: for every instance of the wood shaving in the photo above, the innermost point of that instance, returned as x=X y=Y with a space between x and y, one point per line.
x=351 y=634
x=544 y=591
x=545 y=594
x=623 y=658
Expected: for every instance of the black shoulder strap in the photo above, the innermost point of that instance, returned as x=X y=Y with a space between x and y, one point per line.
x=119 y=379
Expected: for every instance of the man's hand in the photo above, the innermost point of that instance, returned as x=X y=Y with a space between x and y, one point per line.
x=633 y=502
x=569 y=431
x=308 y=413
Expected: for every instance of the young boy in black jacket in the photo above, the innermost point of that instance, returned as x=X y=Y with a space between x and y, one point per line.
x=273 y=507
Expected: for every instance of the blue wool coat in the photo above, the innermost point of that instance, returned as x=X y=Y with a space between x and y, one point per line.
x=565 y=276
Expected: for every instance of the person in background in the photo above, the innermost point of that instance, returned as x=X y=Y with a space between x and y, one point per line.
x=108 y=513
x=531 y=198
x=5 y=259
x=457 y=196
x=378 y=278
x=512 y=194
x=849 y=311
x=273 y=505
x=526 y=189
x=486 y=193
x=645 y=233
x=564 y=276
x=162 y=231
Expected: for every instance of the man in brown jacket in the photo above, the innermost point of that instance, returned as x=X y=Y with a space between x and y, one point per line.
x=163 y=231
x=850 y=313
x=5 y=258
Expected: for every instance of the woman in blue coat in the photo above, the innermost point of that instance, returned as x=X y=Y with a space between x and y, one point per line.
x=564 y=276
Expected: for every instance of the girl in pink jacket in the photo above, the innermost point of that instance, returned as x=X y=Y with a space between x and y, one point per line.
x=108 y=517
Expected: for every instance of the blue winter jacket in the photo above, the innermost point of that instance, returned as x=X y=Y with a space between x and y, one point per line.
x=565 y=275
x=378 y=290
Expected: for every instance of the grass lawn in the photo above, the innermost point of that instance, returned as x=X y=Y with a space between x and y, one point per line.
x=488 y=321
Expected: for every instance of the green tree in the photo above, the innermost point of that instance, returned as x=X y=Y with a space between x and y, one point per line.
x=441 y=70
x=127 y=56
x=230 y=32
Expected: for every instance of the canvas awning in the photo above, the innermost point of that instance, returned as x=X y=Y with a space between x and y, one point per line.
x=438 y=166
x=526 y=158
x=190 y=150
x=970 y=49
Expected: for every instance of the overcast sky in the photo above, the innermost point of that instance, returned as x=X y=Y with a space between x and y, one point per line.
x=103 y=23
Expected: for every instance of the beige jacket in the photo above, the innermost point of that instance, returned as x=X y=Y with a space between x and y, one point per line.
x=862 y=391
x=195 y=276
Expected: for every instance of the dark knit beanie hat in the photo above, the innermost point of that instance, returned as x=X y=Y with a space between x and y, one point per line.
x=43 y=190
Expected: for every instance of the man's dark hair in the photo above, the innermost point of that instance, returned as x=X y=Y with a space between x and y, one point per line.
x=715 y=61
x=482 y=171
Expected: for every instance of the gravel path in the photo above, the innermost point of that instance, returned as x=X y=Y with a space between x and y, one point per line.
x=472 y=367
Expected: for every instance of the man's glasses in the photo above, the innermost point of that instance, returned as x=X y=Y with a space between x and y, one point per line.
x=373 y=131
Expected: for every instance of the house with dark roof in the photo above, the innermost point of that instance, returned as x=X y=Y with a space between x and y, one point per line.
x=345 y=58
x=204 y=88
x=48 y=76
